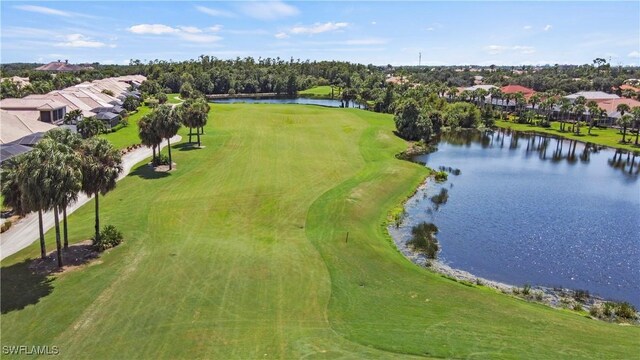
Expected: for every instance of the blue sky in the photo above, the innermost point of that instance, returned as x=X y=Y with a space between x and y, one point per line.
x=446 y=33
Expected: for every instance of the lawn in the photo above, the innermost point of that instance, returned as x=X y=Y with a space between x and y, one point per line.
x=173 y=98
x=607 y=137
x=320 y=91
x=128 y=135
x=241 y=253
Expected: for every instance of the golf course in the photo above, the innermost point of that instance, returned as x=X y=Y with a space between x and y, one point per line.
x=271 y=242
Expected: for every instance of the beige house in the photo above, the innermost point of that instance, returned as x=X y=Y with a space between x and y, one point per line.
x=45 y=110
x=15 y=128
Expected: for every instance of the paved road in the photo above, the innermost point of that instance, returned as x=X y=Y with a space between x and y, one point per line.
x=25 y=232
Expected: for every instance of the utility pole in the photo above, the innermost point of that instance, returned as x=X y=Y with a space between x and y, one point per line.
x=419 y=58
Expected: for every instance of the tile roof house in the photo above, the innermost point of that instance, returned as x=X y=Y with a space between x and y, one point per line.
x=513 y=89
x=60 y=66
x=592 y=95
x=611 y=105
x=45 y=110
x=14 y=127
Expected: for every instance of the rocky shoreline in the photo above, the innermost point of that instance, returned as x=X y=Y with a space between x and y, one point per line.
x=559 y=298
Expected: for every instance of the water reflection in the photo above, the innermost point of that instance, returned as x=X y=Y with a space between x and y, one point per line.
x=529 y=208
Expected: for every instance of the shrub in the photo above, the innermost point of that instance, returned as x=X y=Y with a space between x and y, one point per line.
x=581 y=295
x=397 y=215
x=595 y=311
x=515 y=291
x=526 y=290
x=5 y=226
x=231 y=92
x=625 y=310
x=161 y=159
x=109 y=237
x=441 y=176
x=441 y=198
x=424 y=240
x=607 y=309
x=577 y=307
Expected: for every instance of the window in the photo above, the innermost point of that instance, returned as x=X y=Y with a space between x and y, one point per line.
x=45 y=116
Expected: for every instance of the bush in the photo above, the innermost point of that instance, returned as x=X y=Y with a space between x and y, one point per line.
x=539 y=295
x=441 y=176
x=441 y=198
x=424 y=240
x=607 y=309
x=626 y=311
x=5 y=226
x=595 y=311
x=109 y=237
x=231 y=92
x=161 y=159
x=526 y=290
x=577 y=307
x=581 y=295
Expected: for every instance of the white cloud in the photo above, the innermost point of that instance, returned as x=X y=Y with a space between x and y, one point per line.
x=547 y=28
x=80 y=41
x=373 y=23
x=247 y=32
x=215 y=28
x=154 y=29
x=318 y=28
x=634 y=54
x=282 y=35
x=190 y=29
x=43 y=10
x=527 y=27
x=498 y=49
x=187 y=33
x=269 y=10
x=214 y=12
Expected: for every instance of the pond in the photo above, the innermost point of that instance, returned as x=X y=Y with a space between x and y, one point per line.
x=531 y=209
x=283 y=100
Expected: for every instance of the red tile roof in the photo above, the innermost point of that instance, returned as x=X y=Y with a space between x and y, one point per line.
x=512 y=89
x=610 y=105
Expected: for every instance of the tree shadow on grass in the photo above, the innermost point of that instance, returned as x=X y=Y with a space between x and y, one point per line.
x=147 y=171
x=187 y=146
x=27 y=282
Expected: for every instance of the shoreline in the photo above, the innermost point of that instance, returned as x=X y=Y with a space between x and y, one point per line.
x=554 y=297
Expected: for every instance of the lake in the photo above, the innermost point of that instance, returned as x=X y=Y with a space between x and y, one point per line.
x=283 y=100
x=535 y=209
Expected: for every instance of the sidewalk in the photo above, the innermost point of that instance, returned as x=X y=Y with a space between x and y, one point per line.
x=25 y=232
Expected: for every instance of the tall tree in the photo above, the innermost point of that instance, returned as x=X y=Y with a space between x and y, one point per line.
x=73 y=141
x=148 y=134
x=635 y=112
x=594 y=112
x=167 y=123
x=624 y=121
x=53 y=173
x=101 y=164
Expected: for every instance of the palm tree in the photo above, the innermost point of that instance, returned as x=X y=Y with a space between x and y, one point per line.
x=101 y=165
x=534 y=100
x=73 y=116
x=507 y=99
x=452 y=92
x=53 y=173
x=90 y=127
x=578 y=109
x=565 y=108
x=148 y=134
x=623 y=109
x=624 y=121
x=594 y=110
x=635 y=112
x=73 y=141
x=167 y=123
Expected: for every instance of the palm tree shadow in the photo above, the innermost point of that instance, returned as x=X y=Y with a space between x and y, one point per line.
x=187 y=146
x=147 y=171
x=20 y=286
x=27 y=282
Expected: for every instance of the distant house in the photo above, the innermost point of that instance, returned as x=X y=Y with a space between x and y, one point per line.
x=514 y=89
x=592 y=95
x=60 y=66
x=45 y=110
x=610 y=106
x=18 y=135
x=20 y=81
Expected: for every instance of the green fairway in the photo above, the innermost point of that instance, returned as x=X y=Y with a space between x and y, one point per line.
x=320 y=91
x=173 y=98
x=128 y=135
x=241 y=253
x=607 y=137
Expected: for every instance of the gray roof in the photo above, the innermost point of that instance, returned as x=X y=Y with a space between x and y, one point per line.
x=8 y=151
x=592 y=95
x=106 y=116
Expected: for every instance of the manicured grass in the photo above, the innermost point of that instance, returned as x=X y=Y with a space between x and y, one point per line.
x=320 y=91
x=241 y=253
x=607 y=137
x=173 y=98
x=128 y=135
